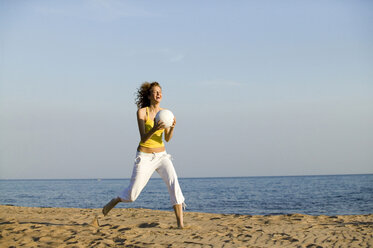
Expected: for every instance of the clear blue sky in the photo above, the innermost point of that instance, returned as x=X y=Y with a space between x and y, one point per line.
x=259 y=88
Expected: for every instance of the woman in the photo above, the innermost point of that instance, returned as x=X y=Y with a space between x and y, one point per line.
x=151 y=153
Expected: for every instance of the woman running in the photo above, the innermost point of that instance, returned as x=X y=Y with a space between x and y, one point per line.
x=151 y=153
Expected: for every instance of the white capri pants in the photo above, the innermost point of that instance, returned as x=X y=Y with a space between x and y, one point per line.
x=144 y=167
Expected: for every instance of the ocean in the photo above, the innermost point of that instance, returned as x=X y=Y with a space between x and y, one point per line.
x=313 y=195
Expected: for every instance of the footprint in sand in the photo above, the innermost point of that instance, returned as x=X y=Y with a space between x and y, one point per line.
x=114 y=227
x=119 y=241
x=124 y=229
x=148 y=225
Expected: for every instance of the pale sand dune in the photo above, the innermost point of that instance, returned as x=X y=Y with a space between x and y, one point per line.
x=67 y=227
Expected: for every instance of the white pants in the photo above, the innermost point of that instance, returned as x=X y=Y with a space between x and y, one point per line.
x=145 y=165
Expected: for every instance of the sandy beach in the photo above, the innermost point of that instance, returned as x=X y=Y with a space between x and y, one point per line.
x=72 y=227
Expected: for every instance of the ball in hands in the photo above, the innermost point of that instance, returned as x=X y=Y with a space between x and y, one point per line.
x=166 y=116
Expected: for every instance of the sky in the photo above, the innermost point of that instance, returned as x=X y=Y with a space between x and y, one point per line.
x=258 y=88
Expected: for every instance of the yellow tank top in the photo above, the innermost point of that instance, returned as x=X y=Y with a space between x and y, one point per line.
x=156 y=140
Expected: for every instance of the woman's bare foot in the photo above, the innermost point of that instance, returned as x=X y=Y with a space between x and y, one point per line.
x=178 y=208
x=106 y=209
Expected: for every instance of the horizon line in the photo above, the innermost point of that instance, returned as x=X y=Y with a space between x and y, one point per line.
x=212 y=177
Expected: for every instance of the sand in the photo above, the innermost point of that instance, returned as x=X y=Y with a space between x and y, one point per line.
x=71 y=227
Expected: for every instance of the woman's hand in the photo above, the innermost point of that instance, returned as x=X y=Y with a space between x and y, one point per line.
x=159 y=125
x=174 y=123
x=169 y=131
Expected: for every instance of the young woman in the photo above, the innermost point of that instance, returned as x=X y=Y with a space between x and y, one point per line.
x=151 y=153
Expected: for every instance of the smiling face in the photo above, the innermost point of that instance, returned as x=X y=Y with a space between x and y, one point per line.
x=155 y=94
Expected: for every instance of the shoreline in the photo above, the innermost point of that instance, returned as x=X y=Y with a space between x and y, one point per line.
x=76 y=227
x=170 y=210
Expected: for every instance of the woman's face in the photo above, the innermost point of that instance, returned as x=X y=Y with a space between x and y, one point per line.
x=155 y=94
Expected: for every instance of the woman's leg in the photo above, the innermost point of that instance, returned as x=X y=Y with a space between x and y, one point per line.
x=110 y=205
x=142 y=171
x=178 y=208
x=167 y=171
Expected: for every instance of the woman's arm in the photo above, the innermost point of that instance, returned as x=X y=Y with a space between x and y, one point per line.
x=141 y=119
x=168 y=132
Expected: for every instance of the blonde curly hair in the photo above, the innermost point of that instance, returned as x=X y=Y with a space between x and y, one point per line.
x=142 y=94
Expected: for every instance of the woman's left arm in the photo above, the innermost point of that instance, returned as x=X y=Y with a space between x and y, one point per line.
x=168 y=132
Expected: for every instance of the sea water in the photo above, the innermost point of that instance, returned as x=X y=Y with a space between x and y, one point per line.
x=314 y=195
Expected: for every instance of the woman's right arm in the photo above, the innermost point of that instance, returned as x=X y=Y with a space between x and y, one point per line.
x=141 y=119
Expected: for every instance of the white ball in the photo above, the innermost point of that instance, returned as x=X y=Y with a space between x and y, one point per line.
x=166 y=116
